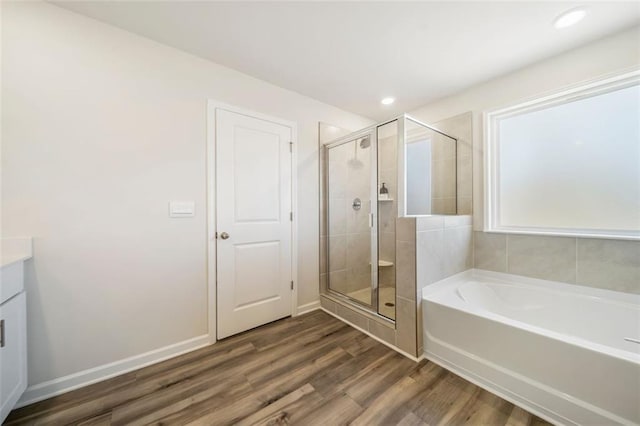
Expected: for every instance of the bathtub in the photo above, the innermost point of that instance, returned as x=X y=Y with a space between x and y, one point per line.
x=569 y=354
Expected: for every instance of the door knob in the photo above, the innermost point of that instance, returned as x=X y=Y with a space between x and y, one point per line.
x=224 y=235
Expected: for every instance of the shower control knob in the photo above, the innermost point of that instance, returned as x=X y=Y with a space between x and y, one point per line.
x=224 y=235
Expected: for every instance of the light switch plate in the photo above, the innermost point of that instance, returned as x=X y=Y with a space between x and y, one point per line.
x=182 y=208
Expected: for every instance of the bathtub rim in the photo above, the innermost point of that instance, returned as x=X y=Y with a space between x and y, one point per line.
x=619 y=296
x=433 y=293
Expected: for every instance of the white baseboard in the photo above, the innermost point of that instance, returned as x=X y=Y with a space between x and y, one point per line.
x=87 y=377
x=308 y=307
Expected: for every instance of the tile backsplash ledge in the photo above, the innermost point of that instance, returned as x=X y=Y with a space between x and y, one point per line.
x=601 y=263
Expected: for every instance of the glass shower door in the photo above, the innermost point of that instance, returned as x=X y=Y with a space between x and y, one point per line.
x=352 y=224
x=387 y=185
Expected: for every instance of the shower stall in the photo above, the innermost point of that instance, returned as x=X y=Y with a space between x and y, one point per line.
x=369 y=179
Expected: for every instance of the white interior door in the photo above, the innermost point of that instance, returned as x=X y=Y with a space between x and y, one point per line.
x=253 y=199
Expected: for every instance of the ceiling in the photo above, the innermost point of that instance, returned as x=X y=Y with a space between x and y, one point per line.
x=351 y=54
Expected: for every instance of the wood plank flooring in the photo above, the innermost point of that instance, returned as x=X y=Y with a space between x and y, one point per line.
x=308 y=370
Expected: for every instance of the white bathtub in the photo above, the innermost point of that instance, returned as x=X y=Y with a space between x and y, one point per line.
x=567 y=353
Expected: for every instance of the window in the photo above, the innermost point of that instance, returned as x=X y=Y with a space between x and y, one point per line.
x=567 y=163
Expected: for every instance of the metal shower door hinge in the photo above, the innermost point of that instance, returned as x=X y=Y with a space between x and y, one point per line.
x=291 y=285
x=290 y=146
x=291 y=216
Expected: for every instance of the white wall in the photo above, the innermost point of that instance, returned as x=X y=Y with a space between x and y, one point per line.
x=608 y=55
x=610 y=264
x=101 y=129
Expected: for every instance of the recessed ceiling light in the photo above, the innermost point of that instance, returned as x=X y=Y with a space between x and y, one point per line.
x=569 y=18
x=387 y=101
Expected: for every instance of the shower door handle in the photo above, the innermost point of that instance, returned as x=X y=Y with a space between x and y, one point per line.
x=370 y=220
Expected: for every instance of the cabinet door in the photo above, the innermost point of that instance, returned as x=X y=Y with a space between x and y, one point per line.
x=13 y=353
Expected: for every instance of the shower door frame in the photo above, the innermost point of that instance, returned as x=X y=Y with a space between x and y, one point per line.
x=372 y=133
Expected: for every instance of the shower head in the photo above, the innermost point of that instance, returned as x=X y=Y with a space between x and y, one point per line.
x=363 y=143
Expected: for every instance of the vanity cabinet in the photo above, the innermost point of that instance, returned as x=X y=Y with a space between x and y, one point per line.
x=13 y=337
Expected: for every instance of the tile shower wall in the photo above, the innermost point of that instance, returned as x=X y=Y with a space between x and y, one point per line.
x=444 y=247
x=387 y=174
x=349 y=232
x=326 y=133
x=443 y=175
x=428 y=248
x=461 y=127
x=602 y=263
x=404 y=333
x=442 y=171
x=406 y=284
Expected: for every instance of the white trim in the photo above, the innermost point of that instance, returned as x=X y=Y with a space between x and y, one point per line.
x=491 y=146
x=60 y=385
x=401 y=158
x=294 y=225
x=308 y=307
x=389 y=345
x=211 y=221
x=212 y=106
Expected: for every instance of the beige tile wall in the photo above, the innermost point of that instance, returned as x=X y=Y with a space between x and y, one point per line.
x=387 y=210
x=461 y=128
x=406 y=315
x=443 y=168
x=350 y=236
x=612 y=264
x=326 y=134
x=443 y=174
x=444 y=247
x=402 y=334
x=602 y=263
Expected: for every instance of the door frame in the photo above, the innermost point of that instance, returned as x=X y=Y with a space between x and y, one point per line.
x=212 y=308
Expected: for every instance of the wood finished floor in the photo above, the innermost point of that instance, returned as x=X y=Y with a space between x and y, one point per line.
x=308 y=370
